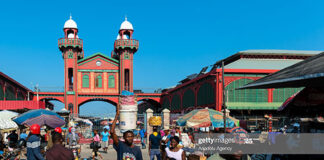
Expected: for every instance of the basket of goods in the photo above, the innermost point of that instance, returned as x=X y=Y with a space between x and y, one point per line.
x=155 y=121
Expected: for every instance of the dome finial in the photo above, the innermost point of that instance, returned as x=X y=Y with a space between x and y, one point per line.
x=126 y=24
x=70 y=23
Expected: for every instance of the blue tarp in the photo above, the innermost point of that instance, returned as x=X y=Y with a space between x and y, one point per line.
x=127 y=93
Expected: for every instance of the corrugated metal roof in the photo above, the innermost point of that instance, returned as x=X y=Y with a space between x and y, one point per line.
x=279 y=52
x=261 y=63
x=14 y=81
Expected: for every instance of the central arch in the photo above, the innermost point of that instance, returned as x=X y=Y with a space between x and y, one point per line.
x=98 y=99
x=97 y=107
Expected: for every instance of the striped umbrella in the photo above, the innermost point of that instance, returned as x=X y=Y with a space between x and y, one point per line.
x=41 y=117
x=205 y=118
x=239 y=134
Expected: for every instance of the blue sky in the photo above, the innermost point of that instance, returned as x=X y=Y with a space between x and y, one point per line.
x=176 y=38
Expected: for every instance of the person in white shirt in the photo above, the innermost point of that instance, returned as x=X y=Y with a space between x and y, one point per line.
x=174 y=152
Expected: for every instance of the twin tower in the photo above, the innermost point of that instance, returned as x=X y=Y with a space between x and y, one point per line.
x=97 y=75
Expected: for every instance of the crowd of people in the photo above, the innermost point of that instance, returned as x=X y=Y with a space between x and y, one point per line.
x=54 y=144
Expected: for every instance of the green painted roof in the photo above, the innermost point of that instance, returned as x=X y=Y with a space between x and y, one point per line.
x=245 y=63
x=253 y=105
x=278 y=52
x=96 y=54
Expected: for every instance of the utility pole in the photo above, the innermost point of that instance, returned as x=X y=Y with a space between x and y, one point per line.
x=224 y=96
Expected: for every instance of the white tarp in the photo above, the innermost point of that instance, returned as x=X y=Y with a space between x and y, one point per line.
x=5 y=114
x=7 y=124
x=5 y=119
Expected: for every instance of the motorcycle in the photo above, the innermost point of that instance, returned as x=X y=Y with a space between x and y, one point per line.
x=76 y=151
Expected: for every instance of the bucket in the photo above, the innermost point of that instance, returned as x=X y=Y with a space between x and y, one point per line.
x=128 y=107
x=128 y=119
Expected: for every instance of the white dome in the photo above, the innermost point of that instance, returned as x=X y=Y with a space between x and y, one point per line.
x=71 y=35
x=126 y=25
x=70 y=23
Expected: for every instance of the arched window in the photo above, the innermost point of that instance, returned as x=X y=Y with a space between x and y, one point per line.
x=205 y=94
x=20 y=96
x=98 y=81
x=85 y=81
x=188 y=99
x=111 y=81
x=70 y=55
x=166 y=103
x=244 y=95
x=175 y=103
x=10 y=93
x=1 y=92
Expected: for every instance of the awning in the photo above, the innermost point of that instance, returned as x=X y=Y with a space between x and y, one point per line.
x=309 y=72
x=308 y=97
x=253 y=105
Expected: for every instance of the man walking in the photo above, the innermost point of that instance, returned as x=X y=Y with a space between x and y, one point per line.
x=58 y=151
x=72 y=138
x=154 y=144
x=125 y=150
x=33 y=144
x=105 y=139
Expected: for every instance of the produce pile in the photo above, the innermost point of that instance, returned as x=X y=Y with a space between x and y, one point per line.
x=155 y=121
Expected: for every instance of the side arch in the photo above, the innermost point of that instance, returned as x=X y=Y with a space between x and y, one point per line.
x=166 y=103
x=144 y=104
x=205 y=94
x=176 y=102
x=1 y=92
x=52 y=99
x=10 y=93
x=188 y=99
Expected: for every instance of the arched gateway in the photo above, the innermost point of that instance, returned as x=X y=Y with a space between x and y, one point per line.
x=97 y=77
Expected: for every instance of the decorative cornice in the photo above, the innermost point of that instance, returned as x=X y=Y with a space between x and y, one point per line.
x=86 y=95
x=97 y=70
x=87 y=59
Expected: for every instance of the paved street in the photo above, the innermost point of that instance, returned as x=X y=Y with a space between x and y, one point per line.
x=111 y=155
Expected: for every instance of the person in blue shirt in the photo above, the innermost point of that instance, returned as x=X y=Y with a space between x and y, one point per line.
x=105 y=139
x=33 y=144
x=142 y=134
x=23 y=135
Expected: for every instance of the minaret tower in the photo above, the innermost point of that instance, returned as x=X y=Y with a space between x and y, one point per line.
x=72 y=50
x=125 y=47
